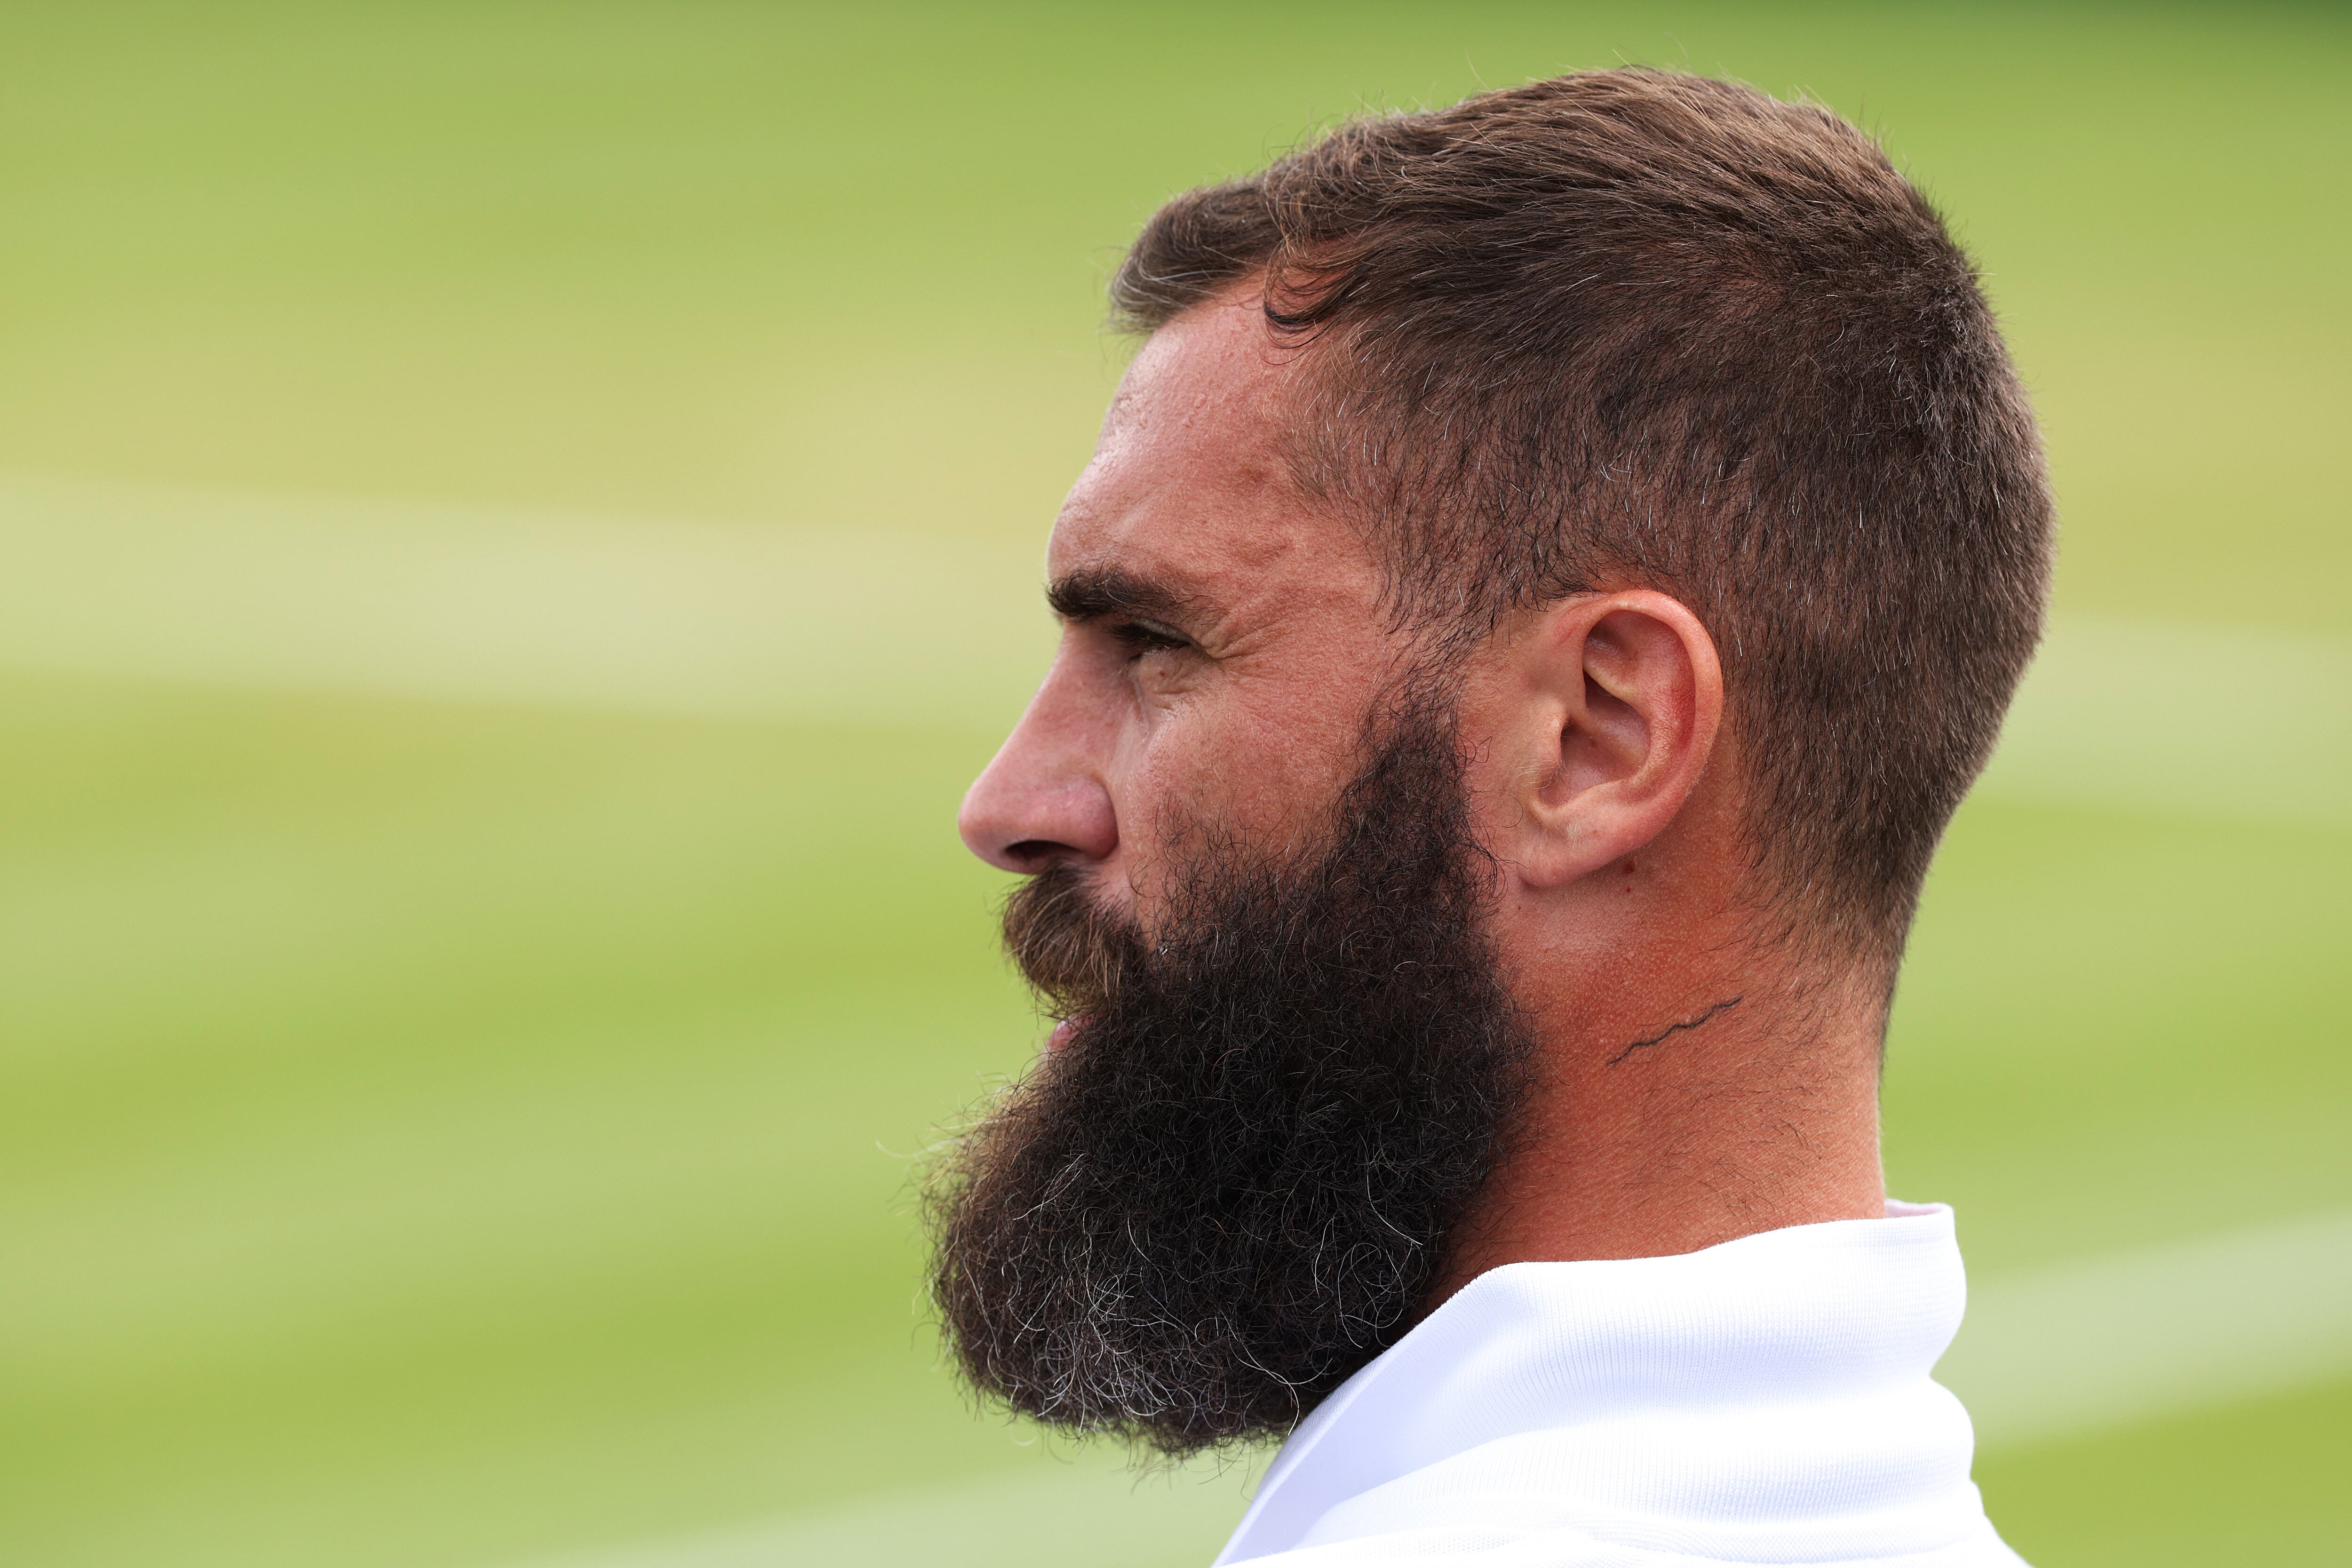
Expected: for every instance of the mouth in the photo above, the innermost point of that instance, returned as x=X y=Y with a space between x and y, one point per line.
x=1063 y=1031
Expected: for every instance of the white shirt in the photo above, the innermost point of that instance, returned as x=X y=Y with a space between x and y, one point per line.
x=1763 y=1401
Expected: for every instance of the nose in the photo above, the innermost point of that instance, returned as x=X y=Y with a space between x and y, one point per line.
x=1041 y=798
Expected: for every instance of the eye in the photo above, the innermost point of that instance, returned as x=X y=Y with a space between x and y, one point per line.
x=1140 y=637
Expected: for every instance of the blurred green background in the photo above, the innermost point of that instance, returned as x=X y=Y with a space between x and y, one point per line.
x=517 y=521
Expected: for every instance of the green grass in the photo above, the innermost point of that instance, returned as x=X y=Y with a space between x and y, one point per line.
x=2262 y=1482
x=434 y=1135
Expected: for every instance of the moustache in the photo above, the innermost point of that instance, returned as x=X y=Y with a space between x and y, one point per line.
x=1075 y=952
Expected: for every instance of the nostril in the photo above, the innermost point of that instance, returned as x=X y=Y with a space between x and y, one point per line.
x=1031 y=854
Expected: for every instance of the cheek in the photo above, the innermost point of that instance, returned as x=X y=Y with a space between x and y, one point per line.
x=1258 y=780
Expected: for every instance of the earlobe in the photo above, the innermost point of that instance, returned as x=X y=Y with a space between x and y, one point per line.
x=1625 y=698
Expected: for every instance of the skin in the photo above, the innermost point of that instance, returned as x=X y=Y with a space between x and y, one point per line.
x=1223 y=640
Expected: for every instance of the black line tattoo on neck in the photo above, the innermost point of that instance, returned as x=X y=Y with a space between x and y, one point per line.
x=1671 y=1029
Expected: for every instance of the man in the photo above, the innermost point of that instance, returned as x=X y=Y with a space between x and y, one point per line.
x=1552 y=570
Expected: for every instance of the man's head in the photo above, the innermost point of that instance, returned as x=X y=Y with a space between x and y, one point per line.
x=1576 y=546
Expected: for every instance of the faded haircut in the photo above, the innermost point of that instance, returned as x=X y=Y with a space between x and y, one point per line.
x=1637 y=328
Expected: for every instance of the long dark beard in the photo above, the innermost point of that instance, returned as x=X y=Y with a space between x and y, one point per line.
x=1231 y=1186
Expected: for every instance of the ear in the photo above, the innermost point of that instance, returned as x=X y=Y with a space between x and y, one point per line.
x=1620 y=696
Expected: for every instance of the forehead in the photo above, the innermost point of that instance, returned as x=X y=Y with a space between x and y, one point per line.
x=1190 y=477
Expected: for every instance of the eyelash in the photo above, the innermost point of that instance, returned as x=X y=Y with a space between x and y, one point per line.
x=1140 y=639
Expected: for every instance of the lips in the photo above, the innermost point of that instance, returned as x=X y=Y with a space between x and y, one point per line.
x=1063 y=1031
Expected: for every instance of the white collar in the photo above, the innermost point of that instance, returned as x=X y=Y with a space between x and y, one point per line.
x=1764 y=1400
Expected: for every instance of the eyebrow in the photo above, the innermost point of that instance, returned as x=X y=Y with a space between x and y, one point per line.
x=1089 y=594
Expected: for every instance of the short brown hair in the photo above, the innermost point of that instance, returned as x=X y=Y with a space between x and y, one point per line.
x=1640 y=327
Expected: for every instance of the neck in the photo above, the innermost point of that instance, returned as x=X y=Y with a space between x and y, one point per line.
x=1667 y=1118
